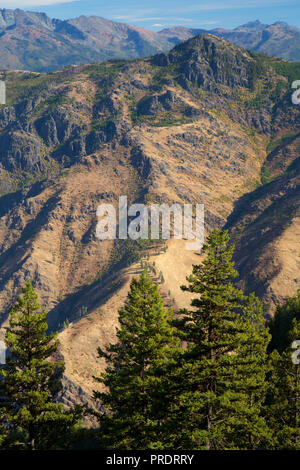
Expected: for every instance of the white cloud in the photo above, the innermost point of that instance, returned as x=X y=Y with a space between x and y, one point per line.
x=176 y=14
x=30 y=3
x=209 y=23
x=137 y=18
x=146 y=14
x=132 y=17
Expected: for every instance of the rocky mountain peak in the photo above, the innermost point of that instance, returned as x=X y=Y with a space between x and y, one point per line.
x=252 y=26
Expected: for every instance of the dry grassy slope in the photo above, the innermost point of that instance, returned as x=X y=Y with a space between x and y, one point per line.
x=50 y=236
x=277 y=269
x=265 y=228
x=190 y=164
x=80 y=341
x=286 y=254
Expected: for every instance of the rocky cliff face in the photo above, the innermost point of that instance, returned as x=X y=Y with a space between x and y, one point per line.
x=206 y=123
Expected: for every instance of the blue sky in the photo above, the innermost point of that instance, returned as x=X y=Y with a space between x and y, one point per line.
x=158 y=14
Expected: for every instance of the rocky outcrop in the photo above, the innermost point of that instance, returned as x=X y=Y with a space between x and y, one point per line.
x=7 y=116
x=167 y=101
x=20 y=152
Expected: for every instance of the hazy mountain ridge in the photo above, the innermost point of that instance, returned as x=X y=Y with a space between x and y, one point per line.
x=278 y=39
x=33 y=41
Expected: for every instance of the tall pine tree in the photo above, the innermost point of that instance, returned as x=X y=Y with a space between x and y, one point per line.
x=219 y=393
x=283 y=408
x=280 y=325
x=30 y=381
x=250 y=430
x=3 y=429
x=137 y=365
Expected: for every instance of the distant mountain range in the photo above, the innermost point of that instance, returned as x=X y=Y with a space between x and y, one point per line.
x=278 y=39
x=35 y=42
